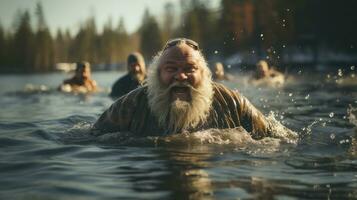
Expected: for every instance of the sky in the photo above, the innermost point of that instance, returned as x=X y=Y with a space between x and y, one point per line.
x=70 y=13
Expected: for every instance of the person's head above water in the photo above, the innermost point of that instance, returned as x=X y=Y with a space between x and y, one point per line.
x=263 y=67
x=218 y=71
x=83 y=70
x=136 y=66
x=179 y=85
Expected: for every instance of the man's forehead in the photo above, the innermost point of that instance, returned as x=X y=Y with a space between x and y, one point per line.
x=182 y=52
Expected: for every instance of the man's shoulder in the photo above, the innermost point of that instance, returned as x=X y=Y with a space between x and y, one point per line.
x=219 y=87
x=122 y=86
x=124 y=78
x=135 y=95
x=224 y=94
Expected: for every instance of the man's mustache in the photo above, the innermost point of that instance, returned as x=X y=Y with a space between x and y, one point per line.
x=184 y=84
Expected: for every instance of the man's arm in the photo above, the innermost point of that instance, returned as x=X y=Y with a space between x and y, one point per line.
x=252 y=119
x=119 y=116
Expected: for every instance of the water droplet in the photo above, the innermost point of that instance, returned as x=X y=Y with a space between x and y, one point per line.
x=340 y=72
x=307 y=97
x=331 y=114
x=332 y=136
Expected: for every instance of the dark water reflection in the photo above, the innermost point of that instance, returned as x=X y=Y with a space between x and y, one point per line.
x=46 y=152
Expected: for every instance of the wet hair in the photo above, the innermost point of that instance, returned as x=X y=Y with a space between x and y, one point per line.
x=176 y=41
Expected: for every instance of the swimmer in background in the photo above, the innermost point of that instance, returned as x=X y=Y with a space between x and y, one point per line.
x=267 y=76
x=81 y=82
x=133 y=79
x=219 y=74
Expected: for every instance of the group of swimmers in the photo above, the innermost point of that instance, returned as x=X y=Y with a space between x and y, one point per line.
x=177 y=95
x=82 y=82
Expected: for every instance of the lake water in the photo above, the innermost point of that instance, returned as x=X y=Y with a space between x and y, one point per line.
x=48 y=153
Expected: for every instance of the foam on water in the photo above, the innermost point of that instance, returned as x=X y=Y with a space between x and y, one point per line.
x=236 y=137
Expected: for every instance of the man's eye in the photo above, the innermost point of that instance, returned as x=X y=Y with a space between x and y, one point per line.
x=190 y=70
x=170 y=69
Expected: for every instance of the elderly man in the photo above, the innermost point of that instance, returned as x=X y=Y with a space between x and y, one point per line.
x=181 y=97
x=134 y=78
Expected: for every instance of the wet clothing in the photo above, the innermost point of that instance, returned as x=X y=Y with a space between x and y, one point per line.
x=229 y=110
x=124 y=85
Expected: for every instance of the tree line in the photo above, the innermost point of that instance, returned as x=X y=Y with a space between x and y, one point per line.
x=261 y=27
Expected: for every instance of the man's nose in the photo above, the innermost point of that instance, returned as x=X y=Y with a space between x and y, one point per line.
x=181 y=76
x=136 y=68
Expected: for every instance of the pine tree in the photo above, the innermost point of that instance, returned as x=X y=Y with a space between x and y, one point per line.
x=23 y=43
x=150 y=38
x=44 y=48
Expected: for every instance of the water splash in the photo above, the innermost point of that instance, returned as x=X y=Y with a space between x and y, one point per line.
x=32 y=88
x=237 y=137
x=331 y=114
x=279 y=131
x=308 y=129
x=78 y=133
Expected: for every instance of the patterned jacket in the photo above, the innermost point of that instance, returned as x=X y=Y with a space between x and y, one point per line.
x=229 y=110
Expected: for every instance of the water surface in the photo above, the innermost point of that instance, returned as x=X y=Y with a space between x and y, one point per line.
x=47 y=153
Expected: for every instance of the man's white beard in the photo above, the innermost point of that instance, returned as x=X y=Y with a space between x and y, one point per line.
x=179 y=115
